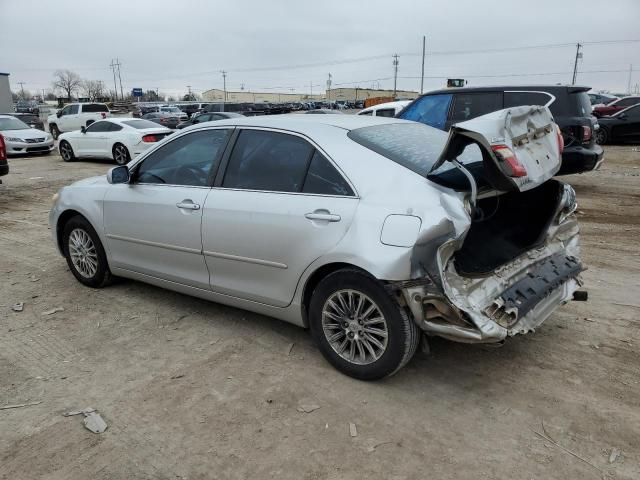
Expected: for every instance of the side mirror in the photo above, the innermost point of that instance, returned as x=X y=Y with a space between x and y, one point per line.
x=83 y=129
x=622 y=116
x=195 y=120
x=118 y=175
x=58 y=114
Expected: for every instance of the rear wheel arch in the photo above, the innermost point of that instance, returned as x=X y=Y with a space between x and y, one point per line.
x=316 y=277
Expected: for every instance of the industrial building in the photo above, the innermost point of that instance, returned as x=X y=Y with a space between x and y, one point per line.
x=217 y=95
x=340 y=94
x=6 y=100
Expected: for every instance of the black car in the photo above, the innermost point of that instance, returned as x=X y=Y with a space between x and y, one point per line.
x=623 y=127
x=208 y=117
x=569 y=105
x=30 y=119
x=169 y=121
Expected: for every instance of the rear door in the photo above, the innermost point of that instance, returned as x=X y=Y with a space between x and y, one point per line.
x=280 y=205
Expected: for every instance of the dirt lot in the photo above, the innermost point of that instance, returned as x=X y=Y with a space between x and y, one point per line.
x=196 y=390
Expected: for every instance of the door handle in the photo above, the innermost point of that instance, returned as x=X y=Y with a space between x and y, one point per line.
x=323 y=216
x=188 y=205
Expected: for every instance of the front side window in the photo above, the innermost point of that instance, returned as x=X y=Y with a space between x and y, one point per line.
x=627 y=102
x=270 y=161
x=73 y=109
x=369 y=113
x=188 y=160
x=99 y=127
x=431 y=110
x=471 y=105
x=633 y=113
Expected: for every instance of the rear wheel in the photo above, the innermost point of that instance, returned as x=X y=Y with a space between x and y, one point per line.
x=85 y=254
x=359 y=327
x=602 y=136
x=121 y=154
x=55 y=133
x=66 y=152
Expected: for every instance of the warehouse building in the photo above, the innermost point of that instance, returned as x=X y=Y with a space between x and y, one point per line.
x=356 y=93
x=217 y=95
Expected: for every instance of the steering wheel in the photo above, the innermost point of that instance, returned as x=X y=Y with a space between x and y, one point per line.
x=189 y=175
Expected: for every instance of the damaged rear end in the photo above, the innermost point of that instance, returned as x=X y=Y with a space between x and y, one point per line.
x=507 y=255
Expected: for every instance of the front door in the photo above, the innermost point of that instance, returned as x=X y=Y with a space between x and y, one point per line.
x=280 y=205
x=68 y=120
x=628 y=130
x=92 y=143
x=153 y=224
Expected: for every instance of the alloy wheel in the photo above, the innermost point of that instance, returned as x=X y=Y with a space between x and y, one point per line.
x=121 y=155
x=83 y=253
x=354 y=326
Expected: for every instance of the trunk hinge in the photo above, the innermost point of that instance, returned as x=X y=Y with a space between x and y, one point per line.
x=472 y=182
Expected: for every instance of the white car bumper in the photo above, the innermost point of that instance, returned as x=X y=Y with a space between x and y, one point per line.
x=24 y=147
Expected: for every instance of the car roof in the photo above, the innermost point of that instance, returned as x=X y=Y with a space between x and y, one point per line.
x=305 y=123
x=546 y=88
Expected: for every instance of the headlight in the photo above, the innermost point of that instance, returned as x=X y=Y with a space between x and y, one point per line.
x=13 y=139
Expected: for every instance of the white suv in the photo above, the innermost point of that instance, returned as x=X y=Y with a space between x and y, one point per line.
x=76 y=115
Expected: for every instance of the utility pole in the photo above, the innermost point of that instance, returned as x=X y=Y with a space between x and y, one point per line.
x=189 y=94
x=115 y=85
x=120 y=78
x=575 y=65
x=395 y=74
x=329 y=90
x=22 y=89
x=311 y=90
x=224 y=88
x=628 y=83
x=424 y=41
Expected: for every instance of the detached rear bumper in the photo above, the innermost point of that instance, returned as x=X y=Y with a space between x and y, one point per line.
x=578 y=159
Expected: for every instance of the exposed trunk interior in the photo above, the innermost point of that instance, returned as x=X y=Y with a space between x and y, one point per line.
x=507 y=226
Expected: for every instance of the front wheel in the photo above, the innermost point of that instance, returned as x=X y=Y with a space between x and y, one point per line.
x=359 y=327
x=602 y=136
x=84 y=253
x=66 y=151
x=121 y=154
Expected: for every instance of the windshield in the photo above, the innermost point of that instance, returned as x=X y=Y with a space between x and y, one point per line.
x=140 y=124
x=13 y=124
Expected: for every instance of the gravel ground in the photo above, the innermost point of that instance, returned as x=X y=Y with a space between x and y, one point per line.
x=196 y=390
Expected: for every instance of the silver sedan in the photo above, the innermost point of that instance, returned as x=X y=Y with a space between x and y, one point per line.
x=373 y=233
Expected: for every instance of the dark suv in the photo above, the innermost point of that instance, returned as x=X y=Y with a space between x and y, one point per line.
x=569 y=105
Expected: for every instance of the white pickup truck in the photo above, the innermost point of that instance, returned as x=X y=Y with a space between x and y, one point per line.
x=76 y=115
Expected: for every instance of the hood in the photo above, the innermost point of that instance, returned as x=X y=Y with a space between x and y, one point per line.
x=99 y=180
x=27 y=133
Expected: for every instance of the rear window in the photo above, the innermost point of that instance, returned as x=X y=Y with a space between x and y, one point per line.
x=582 y=104
x=94 y=107
x=140 y=124
x=414 y=146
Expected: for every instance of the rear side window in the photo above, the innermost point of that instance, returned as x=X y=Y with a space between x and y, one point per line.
x=323 y=178
x=431 y=110
x=99 y=127
x=94 y=107
x=471 y=105
x=114 y=127
x=385 y=112
x=268 y=161
x=517 y=99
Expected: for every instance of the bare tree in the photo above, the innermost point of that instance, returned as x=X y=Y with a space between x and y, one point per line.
x=92 y=89
x=66 y=81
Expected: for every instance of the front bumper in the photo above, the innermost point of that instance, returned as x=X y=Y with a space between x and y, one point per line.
x=578 y=159
x=21 y=148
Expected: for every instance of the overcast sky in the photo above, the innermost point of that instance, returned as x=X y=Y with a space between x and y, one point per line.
x=286 y=45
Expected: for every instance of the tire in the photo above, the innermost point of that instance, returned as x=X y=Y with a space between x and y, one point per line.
x=55 y=133
x=85 y=254
x=602 y=136
x=378 y=360
x=120 y=154
x=66 y=151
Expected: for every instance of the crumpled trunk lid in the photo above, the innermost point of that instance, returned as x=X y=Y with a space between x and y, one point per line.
x=521 y=147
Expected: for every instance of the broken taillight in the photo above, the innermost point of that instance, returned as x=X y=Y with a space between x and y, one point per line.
x=586 y=133
x=508 y=157
x=149 y=138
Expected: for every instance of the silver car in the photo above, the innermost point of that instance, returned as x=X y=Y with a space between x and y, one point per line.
x=368 y=231
x=20 y=138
